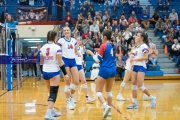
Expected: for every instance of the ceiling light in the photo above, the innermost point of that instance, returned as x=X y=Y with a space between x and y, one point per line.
x=35 y=41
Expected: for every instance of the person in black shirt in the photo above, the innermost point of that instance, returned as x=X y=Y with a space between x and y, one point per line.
x=59 y=8
x=155 y=18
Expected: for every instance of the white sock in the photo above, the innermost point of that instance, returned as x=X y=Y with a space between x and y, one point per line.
x=68 y=99
x=104 y=105
x=134 y=100
x=49 y=110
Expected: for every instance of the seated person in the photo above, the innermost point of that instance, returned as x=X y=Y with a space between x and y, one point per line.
x=158 y=27
x=94 y=29
x=145 y=20
x=175 y=48
x=120 y=64
x=94 y=71
x=153 y=54
x=88 y=43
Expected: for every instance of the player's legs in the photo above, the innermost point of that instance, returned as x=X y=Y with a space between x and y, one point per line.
x=109 y=84
x=84 y=85
x=134 y=92
x=140 y=84
x=127 y=76
x=75 y=79
x=54 y=86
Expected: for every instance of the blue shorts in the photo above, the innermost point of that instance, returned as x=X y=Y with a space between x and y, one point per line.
x=107 y=72
x=69 y=62
x=139 y=69
x=79 y=67
x=49 y=75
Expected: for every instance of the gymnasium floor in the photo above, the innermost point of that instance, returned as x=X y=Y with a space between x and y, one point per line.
x=30 y=102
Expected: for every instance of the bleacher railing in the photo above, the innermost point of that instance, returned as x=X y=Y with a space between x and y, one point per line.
x=98 y=8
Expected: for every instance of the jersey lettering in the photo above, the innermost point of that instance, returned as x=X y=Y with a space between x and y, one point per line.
x=70 y=46
x=112 y=52
x=47 y=51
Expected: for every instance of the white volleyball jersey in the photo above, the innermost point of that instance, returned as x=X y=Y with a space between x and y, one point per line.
x=128 y=64
x=67 y=47
x=49 y=52
x=139 y=52
x=79 y=57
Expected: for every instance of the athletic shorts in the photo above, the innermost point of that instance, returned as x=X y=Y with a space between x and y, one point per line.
x=79 y=67
x=107 y=72
x=49 y=75
x=139 y=69
x=69 y=62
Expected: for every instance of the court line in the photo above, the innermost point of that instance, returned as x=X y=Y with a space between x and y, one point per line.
x=13 y=88
x=25 y=103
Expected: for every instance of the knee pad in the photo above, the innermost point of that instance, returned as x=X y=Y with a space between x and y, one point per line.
x=66 y=88
x=123 y=84
x=98 y=94
x=73 y=86
x=109 y=94
x=142 y=88
x=84 y=85
x=53 y=93
x=134 y=87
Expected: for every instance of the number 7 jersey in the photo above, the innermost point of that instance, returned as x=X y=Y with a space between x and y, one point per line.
x=67 y=47
x=106 y=56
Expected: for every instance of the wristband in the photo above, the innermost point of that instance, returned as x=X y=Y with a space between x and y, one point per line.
x=63 y=70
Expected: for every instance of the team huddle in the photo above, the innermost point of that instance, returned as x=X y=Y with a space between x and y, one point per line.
x=65 y=54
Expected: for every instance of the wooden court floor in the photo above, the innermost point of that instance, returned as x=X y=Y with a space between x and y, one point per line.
x=30 y=102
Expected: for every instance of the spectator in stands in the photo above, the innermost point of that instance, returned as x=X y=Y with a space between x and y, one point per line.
x=106 y=10
x=94 y=29
x=88 y=43
x=177 y=27
x=67 y=5
x=132 y=19
x=173 y=33
x=131 y=45
x=167 y=22
x=48 y=4
x=90 y=20
x=85 y=25
x=120 y=64
x=163 y=16
x=155 y=18
x=175 y=49
x=158 y=27
x=150 y=42
x=169 y=41
x=173 y=16
x=127 y=36
x=132 y=29
x=166 y=5
x=136 y=7
x=37 y=55
x=59 y=9
x=126 y=7
x=105 y=16
x=92 y=9
x=159 y=6
x=124 y=26
x=75 y=32
x=96 y=43
x=135 y=24
x=101 y=26
x=138 y=28
x=123 y=20
x=115 y=25
x=69 y=20
x=108 y=27
x=29 y=55
x=153 y=55
x=145 y=20
x=84 y=34
x=114 y=13
x=165 y=32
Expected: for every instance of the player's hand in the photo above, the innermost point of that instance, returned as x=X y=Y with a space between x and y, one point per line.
x=132 y=60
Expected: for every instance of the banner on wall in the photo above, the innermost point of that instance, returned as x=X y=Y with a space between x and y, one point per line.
x=31 y=14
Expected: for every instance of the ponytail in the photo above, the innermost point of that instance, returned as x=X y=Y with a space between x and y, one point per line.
x=145 y=38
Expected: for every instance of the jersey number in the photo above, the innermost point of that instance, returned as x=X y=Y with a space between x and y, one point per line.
x=112 y=52
x=70 y=46
x=47 y=51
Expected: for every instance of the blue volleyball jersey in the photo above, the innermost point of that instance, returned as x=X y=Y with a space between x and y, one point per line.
x=106 y=56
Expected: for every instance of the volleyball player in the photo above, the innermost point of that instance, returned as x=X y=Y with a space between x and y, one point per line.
x=79 y=61
x=51 y=59
x=140 y=56
x=69 y=50
x=107 y=71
